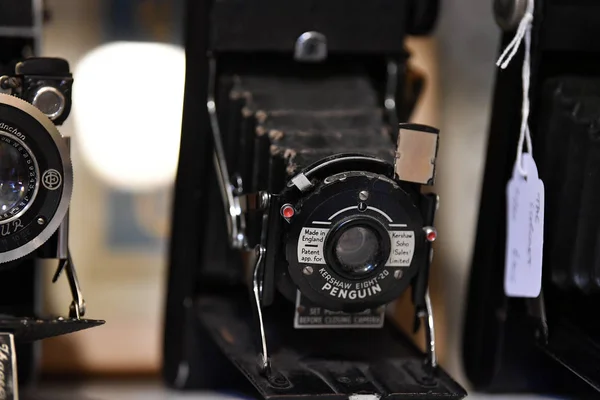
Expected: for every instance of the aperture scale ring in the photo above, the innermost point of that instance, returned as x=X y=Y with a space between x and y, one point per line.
x=27 y=155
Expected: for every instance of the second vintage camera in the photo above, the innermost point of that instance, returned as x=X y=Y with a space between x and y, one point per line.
x=36 y=175
x=35 y=165
x=36 y=181
x=301 y=207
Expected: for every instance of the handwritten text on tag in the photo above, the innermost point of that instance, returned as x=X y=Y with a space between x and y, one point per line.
x=525 y=232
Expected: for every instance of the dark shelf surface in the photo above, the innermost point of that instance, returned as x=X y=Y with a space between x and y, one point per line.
x=27 y=329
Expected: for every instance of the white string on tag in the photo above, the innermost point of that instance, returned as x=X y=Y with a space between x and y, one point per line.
x=523 y=34
x=525 y=196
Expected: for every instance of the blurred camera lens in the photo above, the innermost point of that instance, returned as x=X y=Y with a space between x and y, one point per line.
x=36 y=178
x=17 y=178
x=357 y=250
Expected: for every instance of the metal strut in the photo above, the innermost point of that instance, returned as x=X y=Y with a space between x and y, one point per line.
x=77 y=307
x=236 y=223
x=429 y=332
x=65 y=263
x=235 y=205
x=265 y=362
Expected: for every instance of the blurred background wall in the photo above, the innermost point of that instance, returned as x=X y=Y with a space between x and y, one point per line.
x=125 y=145
x=467 y=46
x=129 y=73
x=459 y=62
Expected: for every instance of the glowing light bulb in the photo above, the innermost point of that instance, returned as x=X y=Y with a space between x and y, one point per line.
x=127 y=106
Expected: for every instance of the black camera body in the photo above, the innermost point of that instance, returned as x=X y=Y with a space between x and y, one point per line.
x=546 y=344
x=299 y=208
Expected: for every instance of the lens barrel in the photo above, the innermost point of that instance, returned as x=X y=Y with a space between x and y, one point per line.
x=36 y=178
x=357 y=246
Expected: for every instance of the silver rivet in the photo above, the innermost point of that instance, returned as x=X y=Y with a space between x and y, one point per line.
x=308 y=270
x=363 y=195
x=41 y=221
x=311 y=47
x=398 y=274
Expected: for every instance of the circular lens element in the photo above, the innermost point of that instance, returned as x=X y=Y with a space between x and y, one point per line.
x=18 y=178
x=13 y=177
x=357 y=250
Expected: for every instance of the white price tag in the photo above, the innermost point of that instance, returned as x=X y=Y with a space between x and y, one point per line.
x=525 y=231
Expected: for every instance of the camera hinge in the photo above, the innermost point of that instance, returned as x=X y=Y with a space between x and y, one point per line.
x=236 y=223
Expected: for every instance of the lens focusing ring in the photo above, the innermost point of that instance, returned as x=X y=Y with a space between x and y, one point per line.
x=372 y=262
x=27 y=128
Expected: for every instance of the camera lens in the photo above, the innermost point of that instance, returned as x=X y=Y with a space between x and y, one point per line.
x=36 y=178
x=357 y=250
x=14 y=177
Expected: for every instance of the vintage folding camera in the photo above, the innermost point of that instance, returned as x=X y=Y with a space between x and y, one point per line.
x=36 y=181
x=36 y=176
x=300 y=209
x=550 y=343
